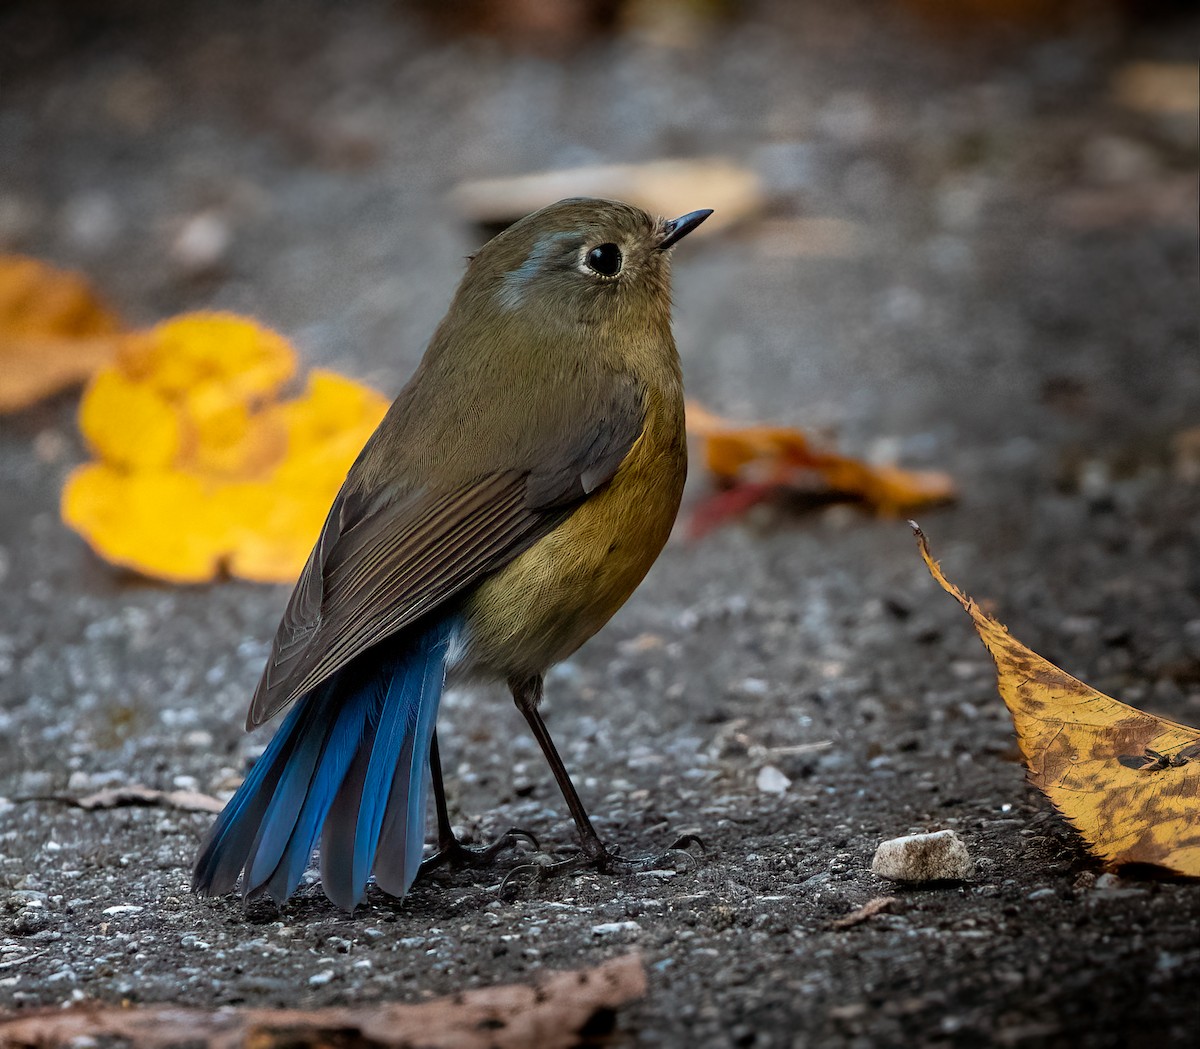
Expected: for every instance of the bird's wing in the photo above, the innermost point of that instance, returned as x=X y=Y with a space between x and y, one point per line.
x=380 y=564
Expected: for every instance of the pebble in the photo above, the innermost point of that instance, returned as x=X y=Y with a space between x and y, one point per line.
x=322 y=978
x=612 y=928
x=202 y=243
x=939 y=856
x=771 y=781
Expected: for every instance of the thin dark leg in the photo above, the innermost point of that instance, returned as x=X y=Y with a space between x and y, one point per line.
x=451 y=851
x=527 y=694
x=445 y=833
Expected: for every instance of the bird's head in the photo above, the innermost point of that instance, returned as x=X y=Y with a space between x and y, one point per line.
x=580 y=263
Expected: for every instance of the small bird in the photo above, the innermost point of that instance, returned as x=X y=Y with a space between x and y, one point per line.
x=515 y=494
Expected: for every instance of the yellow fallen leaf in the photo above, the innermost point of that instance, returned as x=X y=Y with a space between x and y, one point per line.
x=329 y=421
x=157 y=522
x=756 y=461
x=54 y=331
x=251 y=361
x=201 y=469
x=271 y=526
x=129 y=424
x=1128 y=781
x=227 y=438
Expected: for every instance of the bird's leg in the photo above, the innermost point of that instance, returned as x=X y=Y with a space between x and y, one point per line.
x=451 y=851
x=527 y=694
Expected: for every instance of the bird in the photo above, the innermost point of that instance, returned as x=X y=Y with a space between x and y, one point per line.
x=513 y=497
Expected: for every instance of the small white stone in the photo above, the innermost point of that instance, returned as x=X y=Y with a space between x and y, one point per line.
x=321 y=979
x=611 y=928
x=124 y=908
x=771 y=781
x=940 y=856
x=202 y=243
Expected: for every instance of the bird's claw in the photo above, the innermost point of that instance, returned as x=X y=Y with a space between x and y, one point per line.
x=605 y=860
x=679 y=854
x=456 y=855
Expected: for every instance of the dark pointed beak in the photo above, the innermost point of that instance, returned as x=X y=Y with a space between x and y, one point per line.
x=679 y=228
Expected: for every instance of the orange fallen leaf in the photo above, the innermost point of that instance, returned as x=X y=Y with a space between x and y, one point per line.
x=54 y=331
x=1128 y=781
x=757 y=461
x=200 y=469
x=555 y=1011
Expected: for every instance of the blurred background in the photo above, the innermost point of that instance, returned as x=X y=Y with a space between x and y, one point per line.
x=921 y=174
x=957 y=235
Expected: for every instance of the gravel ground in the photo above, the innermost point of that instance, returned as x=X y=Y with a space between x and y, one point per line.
x=1008 y=293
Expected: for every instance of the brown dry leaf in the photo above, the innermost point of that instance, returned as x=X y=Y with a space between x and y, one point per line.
x=1185 y=456
x=983 y=15
x=554 y=1012
x=1128 y=781
x=200 y=469
x=733 y=191
x=54 y=331
x=1167 y=201
x=757 y=461
x=1171 y=88
x=136 y=794
x=864 y=913
x=814 y=236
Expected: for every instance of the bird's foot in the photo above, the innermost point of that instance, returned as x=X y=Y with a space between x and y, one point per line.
x=595 y=856
x=456 y=855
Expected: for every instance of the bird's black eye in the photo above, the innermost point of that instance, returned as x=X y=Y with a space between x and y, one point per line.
x=605 y=259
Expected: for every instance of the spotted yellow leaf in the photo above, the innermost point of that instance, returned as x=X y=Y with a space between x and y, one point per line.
x=1127 y=780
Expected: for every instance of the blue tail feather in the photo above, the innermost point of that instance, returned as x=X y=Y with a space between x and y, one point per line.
x=341 y=825
x=279 y=820
x=228 y=845
x=335 y=758
x=345 y=758
x=398 y=856
x=409 y=732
